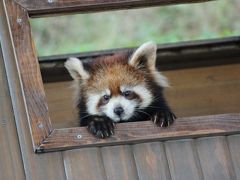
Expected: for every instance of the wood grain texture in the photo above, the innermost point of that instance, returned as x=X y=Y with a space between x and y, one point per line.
x=119 y=163
x=11 y=166
x=84 y=164
x=30 y=76
x=215 y=158
x=37 y=8
x=210 y=87
x=151 y=162
x=183 y=160
x=172 y=56
x=135 y=132
x=62 y=110
x=37 y=167
x=204 y=91
x=234 y=147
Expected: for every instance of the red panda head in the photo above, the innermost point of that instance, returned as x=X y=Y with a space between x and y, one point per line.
x=117 y=86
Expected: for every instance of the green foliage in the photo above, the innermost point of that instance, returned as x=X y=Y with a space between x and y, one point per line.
x=128 y=28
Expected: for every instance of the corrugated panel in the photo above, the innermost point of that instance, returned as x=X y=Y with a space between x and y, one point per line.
x=119 y=163
x=234 y=147
x=84 y=164
x=183 y=160
x=11 y=166
x=151 y=161
x=215 y=158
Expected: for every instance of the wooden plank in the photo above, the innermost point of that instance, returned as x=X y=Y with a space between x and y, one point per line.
x=62 y=110
x=37 y=167
x=28 y=68
x=134 y=132
x=11 y=166
x=37 y=8
x=151 y=162
x=204 y=91
x=215 y=158
x=234 y=147
x=84 y=164
x=207 y=86
x=119 y=163
x=171 y=56
x=183 y=160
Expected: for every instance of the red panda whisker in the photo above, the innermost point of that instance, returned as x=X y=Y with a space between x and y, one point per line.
x=140 y=111
x=85 y=116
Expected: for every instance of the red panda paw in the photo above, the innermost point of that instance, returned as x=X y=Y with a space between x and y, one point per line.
x=101 y=128
x=163 y=118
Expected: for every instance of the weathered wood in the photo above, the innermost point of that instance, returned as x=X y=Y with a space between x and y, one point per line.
x=11 y=166
x=151 y=162
x=207 y=86
x=234 y=147
x=135 y=132
x=119 y=163
x=171 y=56
x=84 y=164
x=183 y=160
x=39 y=8
x=28 y=68
x=204 y=91
x=46 y=166
x=215 y=158
x=62 y=110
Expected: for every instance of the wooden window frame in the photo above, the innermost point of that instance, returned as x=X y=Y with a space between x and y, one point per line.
x=33 y=101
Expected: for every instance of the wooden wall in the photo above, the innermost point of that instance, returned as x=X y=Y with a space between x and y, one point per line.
x=193 y=92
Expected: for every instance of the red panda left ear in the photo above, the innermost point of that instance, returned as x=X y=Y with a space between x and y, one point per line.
x=76 y=69
x=144 y=56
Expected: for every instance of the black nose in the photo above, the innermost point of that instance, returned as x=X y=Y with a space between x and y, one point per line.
x=118 y=111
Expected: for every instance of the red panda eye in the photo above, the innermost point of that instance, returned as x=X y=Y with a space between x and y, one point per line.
x=106 y=98
x=127 y=94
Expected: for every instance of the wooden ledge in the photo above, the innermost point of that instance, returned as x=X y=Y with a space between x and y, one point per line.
x=48 y=7
x=136 y=132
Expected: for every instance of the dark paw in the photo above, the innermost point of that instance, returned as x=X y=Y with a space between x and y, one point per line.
x=163 y=118
x=101 y=127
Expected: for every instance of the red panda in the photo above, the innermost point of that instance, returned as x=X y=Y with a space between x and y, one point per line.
x=118 y=88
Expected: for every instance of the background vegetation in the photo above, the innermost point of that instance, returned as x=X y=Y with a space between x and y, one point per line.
x=128 y=28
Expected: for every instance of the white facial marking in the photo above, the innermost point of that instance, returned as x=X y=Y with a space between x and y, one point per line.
x=144 y=94
x=119 y=101
x=93 y=100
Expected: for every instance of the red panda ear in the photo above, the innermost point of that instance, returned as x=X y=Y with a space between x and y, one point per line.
x=76 y=69
x=144 y=56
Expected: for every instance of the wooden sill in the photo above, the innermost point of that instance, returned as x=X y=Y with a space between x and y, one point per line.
x=145 y=131
x=43 y=8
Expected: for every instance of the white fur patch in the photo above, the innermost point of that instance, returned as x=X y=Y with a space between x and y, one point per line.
x=145 y=95
x=93 y=100
x=160 y=79
x=76 y=69
x=127 y=105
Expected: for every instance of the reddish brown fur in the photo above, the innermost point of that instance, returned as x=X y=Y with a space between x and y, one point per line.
x=111 y=72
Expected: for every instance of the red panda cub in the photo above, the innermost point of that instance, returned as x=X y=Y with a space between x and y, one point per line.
x=119 y=88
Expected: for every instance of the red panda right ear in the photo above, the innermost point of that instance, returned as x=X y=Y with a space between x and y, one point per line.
x=144 y=56
x=76 y=69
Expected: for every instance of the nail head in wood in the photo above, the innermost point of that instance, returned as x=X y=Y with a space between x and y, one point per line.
x=79 y=136
x=40 y=125
x=19 y=20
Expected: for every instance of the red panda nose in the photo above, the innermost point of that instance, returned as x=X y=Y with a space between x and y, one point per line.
x=118 y=111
